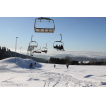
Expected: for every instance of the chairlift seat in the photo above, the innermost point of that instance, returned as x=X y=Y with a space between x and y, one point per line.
x=59 y=48
x=44 y=30
x=38 y=52
x=33 y=45
x=44 y=51
x=55 y=46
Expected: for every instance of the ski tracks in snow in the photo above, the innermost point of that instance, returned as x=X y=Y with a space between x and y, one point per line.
x=53 y=79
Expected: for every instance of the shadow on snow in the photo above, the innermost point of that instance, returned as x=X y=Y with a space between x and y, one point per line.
x=88 y=76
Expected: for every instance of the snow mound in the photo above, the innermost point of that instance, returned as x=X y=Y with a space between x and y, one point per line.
x=23 y=63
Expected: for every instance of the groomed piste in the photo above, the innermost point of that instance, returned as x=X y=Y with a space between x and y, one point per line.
x=19 y=74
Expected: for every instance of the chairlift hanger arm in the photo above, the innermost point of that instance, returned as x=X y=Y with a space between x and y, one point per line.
x=60 y=40
x=45 y=18
x=31 y=37
x=61 y=36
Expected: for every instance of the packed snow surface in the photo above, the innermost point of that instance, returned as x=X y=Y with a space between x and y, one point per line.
x=19 y=74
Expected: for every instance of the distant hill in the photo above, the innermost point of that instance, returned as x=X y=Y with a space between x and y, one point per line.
x=84 y=58
x=43 y=60
x=26 y=57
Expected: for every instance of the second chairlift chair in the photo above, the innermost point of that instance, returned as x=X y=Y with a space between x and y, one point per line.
x=44 y=49
x=61 y=48
x=32 y=45
x=37 y=51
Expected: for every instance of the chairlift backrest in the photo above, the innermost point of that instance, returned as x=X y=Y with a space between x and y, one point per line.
x=33 y=45
x=44 y=49
x=39 y=49
x=59 y=41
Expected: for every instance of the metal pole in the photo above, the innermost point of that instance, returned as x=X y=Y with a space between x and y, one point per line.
x=30 y=54
x=15 y=49
x=27 y=55
x=31 y=38
x=20 y=52
x=61 y=37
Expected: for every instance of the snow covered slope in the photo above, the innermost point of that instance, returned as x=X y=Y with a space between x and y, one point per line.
x=45 y=75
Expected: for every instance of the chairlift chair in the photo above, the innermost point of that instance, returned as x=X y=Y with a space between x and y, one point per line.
x=59 y=48
x=44 y=30
x=44 y=49
x=37 y=51
x=34 y=50
x=30 y=48
x=33 y=45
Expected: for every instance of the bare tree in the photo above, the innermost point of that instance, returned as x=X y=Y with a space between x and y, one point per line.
x=68 y=59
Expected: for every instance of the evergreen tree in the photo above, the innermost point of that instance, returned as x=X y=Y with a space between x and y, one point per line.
x=0 y=53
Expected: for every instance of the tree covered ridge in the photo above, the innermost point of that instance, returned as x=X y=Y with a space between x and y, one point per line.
x=68 y=60
x=4 y=53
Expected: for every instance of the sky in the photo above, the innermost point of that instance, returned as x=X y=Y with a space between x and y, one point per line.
x=88 y=34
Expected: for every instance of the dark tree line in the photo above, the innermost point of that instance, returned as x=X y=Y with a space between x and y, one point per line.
x=68 y=60
x=4 y=53
x=98 y=63
x=57 y=60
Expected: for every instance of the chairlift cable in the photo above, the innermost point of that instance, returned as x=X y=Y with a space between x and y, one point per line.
x=65 y=30
x=71 y=25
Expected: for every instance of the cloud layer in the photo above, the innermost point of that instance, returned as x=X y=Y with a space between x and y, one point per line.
x=62 y=54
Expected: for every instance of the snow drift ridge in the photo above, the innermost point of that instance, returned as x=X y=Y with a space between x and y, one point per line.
x=23 y=63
